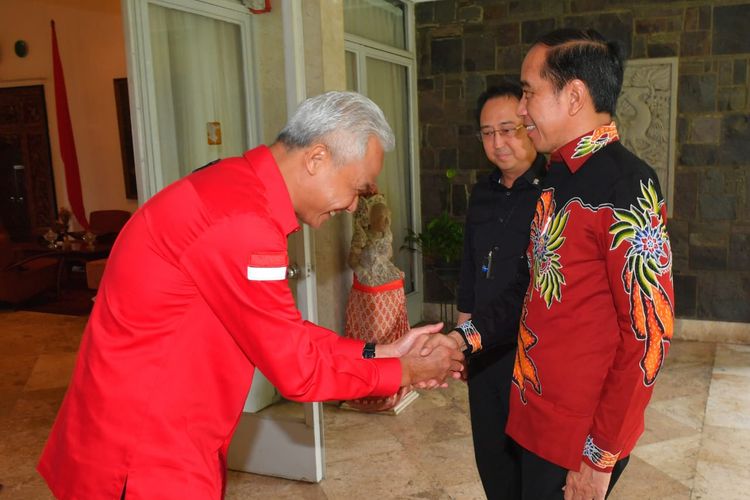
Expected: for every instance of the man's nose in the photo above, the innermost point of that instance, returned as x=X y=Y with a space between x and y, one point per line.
x=498 y=139
x=521 y=108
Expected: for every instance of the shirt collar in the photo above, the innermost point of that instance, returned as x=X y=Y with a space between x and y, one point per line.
x=575 y=153
x=267 y=171
x=536 y=172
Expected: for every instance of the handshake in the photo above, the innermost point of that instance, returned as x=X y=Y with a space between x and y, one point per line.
x=427 y=357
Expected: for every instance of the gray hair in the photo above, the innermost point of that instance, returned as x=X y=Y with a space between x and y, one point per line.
x=343 y=121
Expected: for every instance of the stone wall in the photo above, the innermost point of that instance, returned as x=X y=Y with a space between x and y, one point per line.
x=465 y=45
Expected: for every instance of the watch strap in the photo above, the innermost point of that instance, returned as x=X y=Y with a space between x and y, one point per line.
x=368 y=351
x=471 y=337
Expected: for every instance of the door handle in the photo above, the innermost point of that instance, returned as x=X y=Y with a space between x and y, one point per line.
x=293 y=272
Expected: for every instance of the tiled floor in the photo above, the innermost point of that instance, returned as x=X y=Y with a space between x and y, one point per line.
x=696 y=444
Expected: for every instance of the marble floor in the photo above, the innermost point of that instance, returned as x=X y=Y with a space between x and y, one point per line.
x=696 y=444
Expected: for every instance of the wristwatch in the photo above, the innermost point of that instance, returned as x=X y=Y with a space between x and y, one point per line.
x=368 y=352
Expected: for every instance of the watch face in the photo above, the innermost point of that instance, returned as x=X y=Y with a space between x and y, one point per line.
x=369 y=351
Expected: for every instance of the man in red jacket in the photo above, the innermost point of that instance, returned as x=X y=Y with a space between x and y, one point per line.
x=194 y=298
x=597 y=317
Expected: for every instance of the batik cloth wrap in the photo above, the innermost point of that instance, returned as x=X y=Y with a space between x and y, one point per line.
x=377 y=314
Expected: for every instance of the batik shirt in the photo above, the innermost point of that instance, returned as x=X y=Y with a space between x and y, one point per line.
x=597 y=318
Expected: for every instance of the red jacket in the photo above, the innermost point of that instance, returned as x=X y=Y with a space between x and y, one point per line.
x=192 y=300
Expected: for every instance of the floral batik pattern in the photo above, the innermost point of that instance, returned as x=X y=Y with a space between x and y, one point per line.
x=524 y=369
x=590 y=144
x=546 y=240
x=648 y=257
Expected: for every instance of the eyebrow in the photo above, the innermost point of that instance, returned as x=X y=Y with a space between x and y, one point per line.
x=524 y=83
x=506 y=122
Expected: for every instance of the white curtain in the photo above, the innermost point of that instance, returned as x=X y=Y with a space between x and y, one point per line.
x=378 y=20
x=197 y=64
x=387 y=87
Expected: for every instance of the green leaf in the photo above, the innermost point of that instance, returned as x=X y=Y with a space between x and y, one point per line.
x=442 y=239
x=619 y=226
x=628 y=216
x=622 y=235
x=641 y=273
x=555 y=244
x=558 y=225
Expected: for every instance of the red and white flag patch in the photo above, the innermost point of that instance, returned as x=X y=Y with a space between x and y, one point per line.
x=267 y=267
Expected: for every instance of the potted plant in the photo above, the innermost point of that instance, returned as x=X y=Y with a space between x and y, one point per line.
x=441 y=242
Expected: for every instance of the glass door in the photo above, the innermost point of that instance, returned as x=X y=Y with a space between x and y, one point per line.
x=386 y=83
x=380 y=64
x=189 y=74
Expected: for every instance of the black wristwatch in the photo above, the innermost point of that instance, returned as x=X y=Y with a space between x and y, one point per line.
x=369 y=350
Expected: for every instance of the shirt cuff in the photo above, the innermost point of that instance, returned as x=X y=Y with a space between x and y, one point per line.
x=599 y=458
x=471 y=336
x=350 y=348
x=389 y=379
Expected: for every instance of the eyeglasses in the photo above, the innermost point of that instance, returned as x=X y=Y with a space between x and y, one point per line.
x=488 y=134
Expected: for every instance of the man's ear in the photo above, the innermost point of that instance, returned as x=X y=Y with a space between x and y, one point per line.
x=316 y=157
x=578 y=95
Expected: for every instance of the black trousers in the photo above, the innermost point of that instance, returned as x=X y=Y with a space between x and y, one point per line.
x=497 y=456
x=507 y=471
x=543 y=480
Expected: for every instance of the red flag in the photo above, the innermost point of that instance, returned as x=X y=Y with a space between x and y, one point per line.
x=67 y=142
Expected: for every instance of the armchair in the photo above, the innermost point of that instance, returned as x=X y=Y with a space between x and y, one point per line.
x=106 y=224
x=23 y=278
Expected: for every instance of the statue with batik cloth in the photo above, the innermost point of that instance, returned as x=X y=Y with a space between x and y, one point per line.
x=376 y=311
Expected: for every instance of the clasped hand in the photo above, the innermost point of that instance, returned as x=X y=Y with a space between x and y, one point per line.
x=427 y=357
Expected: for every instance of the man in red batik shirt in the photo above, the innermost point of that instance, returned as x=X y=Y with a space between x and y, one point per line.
x=598 y=313
x=194 y=298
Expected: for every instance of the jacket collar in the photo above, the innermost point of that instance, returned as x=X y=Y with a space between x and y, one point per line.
x=268 y=173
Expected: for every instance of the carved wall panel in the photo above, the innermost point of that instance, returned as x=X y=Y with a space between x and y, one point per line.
x=647 y=116
x=27 y=187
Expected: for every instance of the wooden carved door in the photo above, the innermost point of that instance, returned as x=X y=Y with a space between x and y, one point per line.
x=27 y=187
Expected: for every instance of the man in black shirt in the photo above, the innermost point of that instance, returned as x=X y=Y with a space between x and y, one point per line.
x=495 y=240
